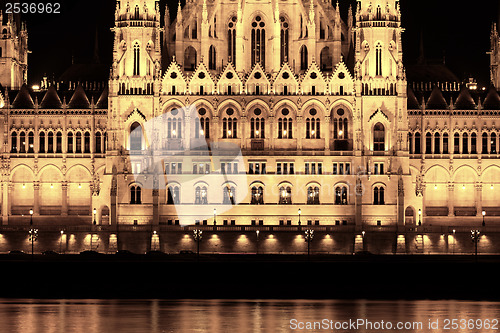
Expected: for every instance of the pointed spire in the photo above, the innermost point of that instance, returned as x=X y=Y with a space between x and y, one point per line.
x=204 y=12
x=349 y=17
x=311 y=11
x=167 y=16
x=179 y=13
x=337 y=13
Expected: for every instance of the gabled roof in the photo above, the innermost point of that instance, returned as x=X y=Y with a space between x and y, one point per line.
x=79 y=99
x=436 y=100
x=492 y=100
x=413 y=103
x=23 y=99
x=233 y=76
x=51 y=100
x=465 y=100
x=102 y=103
x=257 y=68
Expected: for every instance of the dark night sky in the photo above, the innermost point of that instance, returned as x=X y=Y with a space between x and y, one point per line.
x=459 y=30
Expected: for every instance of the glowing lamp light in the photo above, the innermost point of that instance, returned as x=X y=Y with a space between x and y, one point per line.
x=24 y=185
x=341 y=132
x=51 y=185
x=79 y=185
x=202 y=132
x=31 y=211
x=483 y=212
x=284 y=132
x=463 y=187
x=35 y=87
x=491 y=187
x=435 y=187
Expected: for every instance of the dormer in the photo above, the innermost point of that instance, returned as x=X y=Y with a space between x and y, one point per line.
x=257 y=82
x=285 y=82
x=229 y=82
x=201 y=81
x=174 y=81
x=313 y=81
x=341 y=81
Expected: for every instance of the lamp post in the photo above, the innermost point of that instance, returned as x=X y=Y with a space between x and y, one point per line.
x=309 y=235
x=60 y=241
x=474 y=234
x=92 y=229
x=484 y=214
x=257 y=243
x=300 y=212
x=420 y=217
x=197 y=235
x=33 y=235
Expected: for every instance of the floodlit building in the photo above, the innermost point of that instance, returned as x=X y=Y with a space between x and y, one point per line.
x=250 y=113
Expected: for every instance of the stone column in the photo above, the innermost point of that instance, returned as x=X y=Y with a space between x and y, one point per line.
x=478 y=198
x=451 y=198
x=5 y=202
x=326 y=130
x=64 y=199
x=36 y=198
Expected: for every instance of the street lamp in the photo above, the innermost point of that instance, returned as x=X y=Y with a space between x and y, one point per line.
x=257 y=232
x=215 y=216
x=309 y=235
x=300 y=212
x=484 y=214
x=474 y=234
x=33 y=235
x=60 y=241
x=197 y=235
x=420 y=217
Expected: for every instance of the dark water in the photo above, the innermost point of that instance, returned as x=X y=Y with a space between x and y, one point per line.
x=242 y=316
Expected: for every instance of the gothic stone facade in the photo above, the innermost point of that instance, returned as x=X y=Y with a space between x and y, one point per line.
x=328 y=130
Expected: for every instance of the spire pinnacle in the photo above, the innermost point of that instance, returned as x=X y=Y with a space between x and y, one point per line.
x=179 y=13
x=204 y=13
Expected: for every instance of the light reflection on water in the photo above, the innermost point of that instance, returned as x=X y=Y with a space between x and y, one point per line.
x=221 y=316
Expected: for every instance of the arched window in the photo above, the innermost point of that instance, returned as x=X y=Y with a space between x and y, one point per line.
x=340 y=121
x=473 y=143
x=201 y=195
x=98 y=143
x=303 y=58
x=465 y=143
x=493 y=147
x=326 y=59
x=485 y=140
x=59 y=143
x=70 y=142
x=194 y=30
x=173 y=195
x=202 y=128
x=231 y=40
x=378 y=195
x=86 y=141
x=78 y=143
x=445 y=144
x=229 y=195
x=257 y=125
x=137 y=58
x=341 y=195
x=22 y=142
x=284 y=40
x=258 y=46
x=13 y=142
x=379 y=13
x=285 y=125
x=41 y=141
x=285 y=195
x=50 y=142
x=229 y=125
x=456 y=143
x=189 y=59
x=31 y=140
x=313 y=128
x=378 y=137
x=212 y=58
x=313 y=195
x=418 y=143
x=437 y=143
x=174 y=124
x=378 y=54
x=136 y=13
x=135 y=195
x=136 y=136
x=428 y=143
x=257 y=196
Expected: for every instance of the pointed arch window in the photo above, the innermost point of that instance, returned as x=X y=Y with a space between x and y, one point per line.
x=70 y=142
x=437 y=143
x=284 y=39
x=22 y=142
x=418 y=143
x=59 y=143
x=258 y=38
x=484 y=149
x=41 y=142
x=50 y=143
x=378 y=62
x=212 y=58
x=231 y=40
x=31 y=142
x=78 y=143
x=445 y=144
x=313 y=128
x=135 y=195
x=303 y=58
x=378 y=137
x=379 y=195
x=136 y=136
x=136 y=13
x=86 y=142
x=493 y=147
x=428 y=143
x=98 y=143
x=465 y=143
x=137 y=59
x=13 y=142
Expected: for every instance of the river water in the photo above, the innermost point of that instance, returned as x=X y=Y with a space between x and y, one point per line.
x=242 y=316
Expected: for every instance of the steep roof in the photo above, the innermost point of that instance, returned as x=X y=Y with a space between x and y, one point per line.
x=492 y=100
x=79 y=99
x=102 y=103
x=436 y=100
x=51 y=100
x=23 y=99
x=465 y=100
x=413 y=103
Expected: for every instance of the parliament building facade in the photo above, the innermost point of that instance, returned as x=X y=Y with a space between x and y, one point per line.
x=330 y=132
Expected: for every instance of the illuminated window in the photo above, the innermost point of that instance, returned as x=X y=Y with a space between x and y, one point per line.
x=341 y=194
x=173 y=195
x=284 y=40
x=313 y=128
x=13 y=142
x=78 y=143
x=31 y=142
x=285 y=195
x=22 y=142
x=50 y=142
x=231 y=40
x=257 y=195
x=136 y=136
x=229 y=195
x=379 y=137
x=313 y=195
x=258 y=42
x=201 y=195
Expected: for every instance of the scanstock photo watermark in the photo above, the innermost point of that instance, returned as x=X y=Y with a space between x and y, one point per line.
x=216 y=165
x=382 y=325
